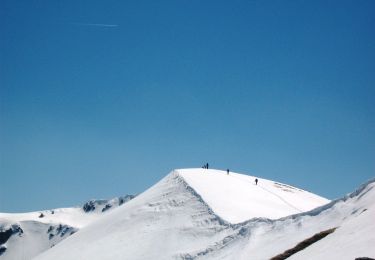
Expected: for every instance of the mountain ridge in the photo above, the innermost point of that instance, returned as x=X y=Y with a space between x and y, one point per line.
x=173 y=209
x=188 y=214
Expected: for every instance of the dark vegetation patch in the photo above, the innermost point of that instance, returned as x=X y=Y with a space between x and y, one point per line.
x=302 y=245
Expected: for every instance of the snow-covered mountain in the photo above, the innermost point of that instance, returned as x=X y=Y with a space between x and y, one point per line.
x=24 y=235
x=185 y=213
x=209 y=214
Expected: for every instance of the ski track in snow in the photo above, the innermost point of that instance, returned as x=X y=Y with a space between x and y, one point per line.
x=278 y=196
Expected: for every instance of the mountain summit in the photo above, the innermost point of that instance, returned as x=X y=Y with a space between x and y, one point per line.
x=237 y=198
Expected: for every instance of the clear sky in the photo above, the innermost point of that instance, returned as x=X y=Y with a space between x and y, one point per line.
x=103 y=98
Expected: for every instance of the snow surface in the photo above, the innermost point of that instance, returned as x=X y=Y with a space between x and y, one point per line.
x=199 y=214
x=44 y=229
x=355 y=236
x=74 y=217
x=160 y=223
x=185 y=216
x=236 y=198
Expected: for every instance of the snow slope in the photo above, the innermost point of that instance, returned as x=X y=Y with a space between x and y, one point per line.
x=236 y=198
x=189 y=214
x=35 y=232
x=354 y=237
x=199 y=214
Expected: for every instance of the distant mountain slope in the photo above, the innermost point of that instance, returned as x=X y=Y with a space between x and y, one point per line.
x=24 y=235
x=185 y=216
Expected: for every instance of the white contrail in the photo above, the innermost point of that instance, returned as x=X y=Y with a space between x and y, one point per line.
x=96 y=24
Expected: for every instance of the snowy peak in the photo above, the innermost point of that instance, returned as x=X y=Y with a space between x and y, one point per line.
x=196 y=212
x=237 y=198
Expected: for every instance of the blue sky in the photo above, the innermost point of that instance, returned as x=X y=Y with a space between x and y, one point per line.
x=104 y=98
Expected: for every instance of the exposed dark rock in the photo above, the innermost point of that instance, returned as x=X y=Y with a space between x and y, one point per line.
x=60 y=230
x=41 y=215
x=89 y=206
x=94 y=204
x=64 y=230
x=126 y=198
x=364 y=258
x=6 y=234
x=2 y=249
x=17 y=229
x=107 y=207
x=50 y=229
